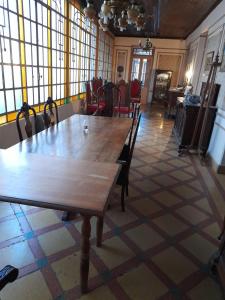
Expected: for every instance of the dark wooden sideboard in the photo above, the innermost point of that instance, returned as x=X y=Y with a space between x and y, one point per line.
x=185 y=121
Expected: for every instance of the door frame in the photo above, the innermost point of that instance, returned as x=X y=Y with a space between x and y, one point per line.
x=151 y=61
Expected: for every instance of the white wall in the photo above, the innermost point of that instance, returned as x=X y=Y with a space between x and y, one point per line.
x=162 y=47
x=8 y=132
x=210 y=36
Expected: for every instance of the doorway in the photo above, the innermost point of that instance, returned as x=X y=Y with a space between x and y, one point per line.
x=141 y=65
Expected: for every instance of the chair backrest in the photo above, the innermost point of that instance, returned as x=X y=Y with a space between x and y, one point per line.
x=133 y=141
x=49 y=118
x=25 y=113
x=135 y=88
x=88 y=92
x=124 y=93
x=96 y=84
x=110 y=93
x=134 y=118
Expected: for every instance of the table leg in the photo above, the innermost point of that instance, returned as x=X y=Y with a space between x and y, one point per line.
x=99 y=230
x=85 y=248
x=68 y=216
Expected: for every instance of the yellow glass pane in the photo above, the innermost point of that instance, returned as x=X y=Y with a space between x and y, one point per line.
x=3 y=119
x=12 y=116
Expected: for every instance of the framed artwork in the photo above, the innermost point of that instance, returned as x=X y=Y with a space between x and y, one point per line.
x=208 y=60
x=222 y=67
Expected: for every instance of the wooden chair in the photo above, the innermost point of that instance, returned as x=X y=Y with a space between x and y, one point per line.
x=135 y=91
x=25 y=113
x=95 y=84
x=107 y=94
x=125 y=160
x=49 y=117
x=8 y=274
x=123 y=105
x=93 y=103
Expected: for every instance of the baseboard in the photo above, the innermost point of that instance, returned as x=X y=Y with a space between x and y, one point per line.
x=220 y=169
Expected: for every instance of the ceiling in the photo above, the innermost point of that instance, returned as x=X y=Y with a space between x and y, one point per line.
x=178 y=18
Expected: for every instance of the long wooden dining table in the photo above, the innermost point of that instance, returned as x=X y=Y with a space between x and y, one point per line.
x=80 y=170
x=103 y=142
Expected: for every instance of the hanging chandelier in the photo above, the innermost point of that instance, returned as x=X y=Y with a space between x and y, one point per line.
x=119 y=13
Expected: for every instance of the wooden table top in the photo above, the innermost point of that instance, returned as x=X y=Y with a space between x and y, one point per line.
x=55 y=182
x=103 y=142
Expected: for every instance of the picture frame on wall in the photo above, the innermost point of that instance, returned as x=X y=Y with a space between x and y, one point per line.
x=222 y=67
x=208 y=60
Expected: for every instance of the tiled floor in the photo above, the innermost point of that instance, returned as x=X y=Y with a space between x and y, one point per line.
x=158 y=249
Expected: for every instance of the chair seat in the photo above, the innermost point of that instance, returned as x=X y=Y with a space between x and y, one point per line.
x=135 y=100
x=123 y=109
x=91 y=108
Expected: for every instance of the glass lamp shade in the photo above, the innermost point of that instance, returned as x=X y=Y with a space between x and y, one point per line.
x=89 y=11
x=106 y=12
x=103 y=26
x=132 y=14
x=122 y=22
x=140 y=22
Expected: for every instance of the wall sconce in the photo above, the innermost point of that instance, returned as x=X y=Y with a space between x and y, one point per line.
x=189 y=75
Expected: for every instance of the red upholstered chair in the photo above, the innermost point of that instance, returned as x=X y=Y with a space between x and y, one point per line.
x=135 y=91
x=123 y=105
x=93 y=104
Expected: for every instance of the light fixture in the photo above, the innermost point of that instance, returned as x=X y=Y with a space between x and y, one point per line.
x=147 y=46
x=132 y=14
x=121 y=12
x=105 y=12
x=122 y=21
x=89 y=11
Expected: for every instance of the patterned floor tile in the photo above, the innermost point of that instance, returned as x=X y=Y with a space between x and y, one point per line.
x=148 y=171
x=114 y=252
x=55 y=241
x=138 y=236
x=171 y=225
x=142 y=283
x=190 y=170
x=5 y=210
x=204 y=205
x=197 y=185
x=180 y=175
x=191 y=214
x=101 y=293
x=120 y=218
x=174 y=264
x=167 y=198
x=213 y=230
x=185 y=192
x=9 y=229
x=199 y=247
x=165 y=180
x=178 y=163
x=207 y=289
x=146 y=185
x=30 y=287
x=67 y=271
x=43 y=219
x=18 y=255
x=146 y=206
x=163 y=167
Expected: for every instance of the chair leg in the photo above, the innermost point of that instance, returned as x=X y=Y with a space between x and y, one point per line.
x=127 y=194
x=122 y=197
